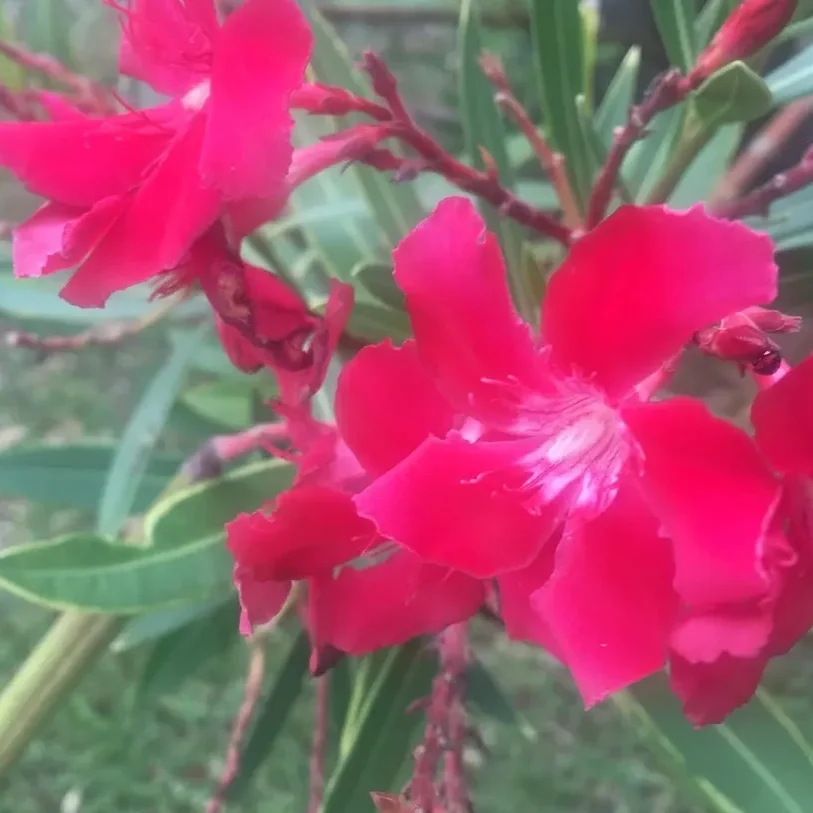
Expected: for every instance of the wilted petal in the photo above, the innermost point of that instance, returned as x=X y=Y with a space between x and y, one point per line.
x=359 y=610
x=82 y=161
x=631 y=293
x=458 y=504
x=609 y=602
x=466 y=328
x=707 y=483
x=711 y=691
x=167 y=43
x=260 y=601
x=311 y=528
x=262 y=52
x=386 y=405
x=783 y=419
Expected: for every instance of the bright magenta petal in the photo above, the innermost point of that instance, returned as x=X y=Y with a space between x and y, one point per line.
x=386 y=405
x=631 y=293
x=358 y=611
x=166 y=214
x=58 y=237
x=522 y=621
x=311 y=528
x=466 y=328
x=167 y=43
x=711 y=691
x=783 y=419
x=610 y=603
x=707 y=483
x=457 y=504
x=261 y=56
x=260 y=601
x=79 y=162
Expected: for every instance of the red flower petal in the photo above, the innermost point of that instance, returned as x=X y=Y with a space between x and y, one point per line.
x=633 y=291
x=57 y=237
x=522 y=621
x=466 y=328
x=739 y=630
x=711 y=691
x=165 y=215
x=168 y=44
x=386 y=405
x=708 y=485
x=362 y=610
x=610 y=603
x=82 y=161
x=783 y=419
x=311 y=528
x=457 y=504
x=260 y=601
x=261 y=56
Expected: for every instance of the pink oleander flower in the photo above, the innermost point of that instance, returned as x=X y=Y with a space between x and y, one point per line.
x=540 y=461
x=363 y=593
x=129 y=194
x=718 y=657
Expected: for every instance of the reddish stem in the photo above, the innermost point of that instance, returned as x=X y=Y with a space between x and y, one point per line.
x=251 y=694
x=665 y=92
x=781 y=185
x=434 y=158
x=320 y=728
x=444 y=735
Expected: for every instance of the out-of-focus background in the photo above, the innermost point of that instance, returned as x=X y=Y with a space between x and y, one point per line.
x=146 y=733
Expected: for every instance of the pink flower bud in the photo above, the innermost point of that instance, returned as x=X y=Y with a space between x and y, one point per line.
x=752 y=25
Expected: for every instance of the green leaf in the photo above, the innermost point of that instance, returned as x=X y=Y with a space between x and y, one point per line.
x=184 y=559
x=74 y=474
x=758 y=761
x=675 y=20
x=705 y=172
x=198 y=513
x=209 y=357
x=731 y=95
x=485 y=693
x=710 y=19
x=394 y=206
x=793 y=79
x=383 y=731
x=375 y=322
x=179 y=654
x=377 y=280
x=620 y=95
x=149 y=626
x=273 y=714
x=47 y=25
x=228 y=403
x=483 y=128
x=556 y=31
x=12 y=74
x=646 y=160
x=90 y=573
x=140 y=435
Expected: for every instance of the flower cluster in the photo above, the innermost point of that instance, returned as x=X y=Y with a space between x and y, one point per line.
x=483 y=462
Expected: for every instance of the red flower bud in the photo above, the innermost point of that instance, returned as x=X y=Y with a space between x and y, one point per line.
x=742 y=343
x=752 y=25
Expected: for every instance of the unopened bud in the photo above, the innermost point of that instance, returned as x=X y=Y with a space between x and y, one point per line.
x=745 y=344
x=765 y=319
x=751 y=26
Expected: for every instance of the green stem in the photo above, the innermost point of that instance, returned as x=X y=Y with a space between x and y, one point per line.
x=50 y=672
x=693 y=140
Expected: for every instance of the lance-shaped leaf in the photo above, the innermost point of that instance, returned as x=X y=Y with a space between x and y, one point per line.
x=675 y=20
x=757 y=761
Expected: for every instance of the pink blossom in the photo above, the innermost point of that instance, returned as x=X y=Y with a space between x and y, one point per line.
x=129 y=194
x=363 y=592
x=494 y=451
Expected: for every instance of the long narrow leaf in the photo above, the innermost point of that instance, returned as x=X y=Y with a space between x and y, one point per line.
x=675 y=20
x=140 y=435
x=556 y=30
x=758 y=761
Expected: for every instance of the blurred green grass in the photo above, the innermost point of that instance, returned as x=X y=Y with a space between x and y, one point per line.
x=111 y=754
